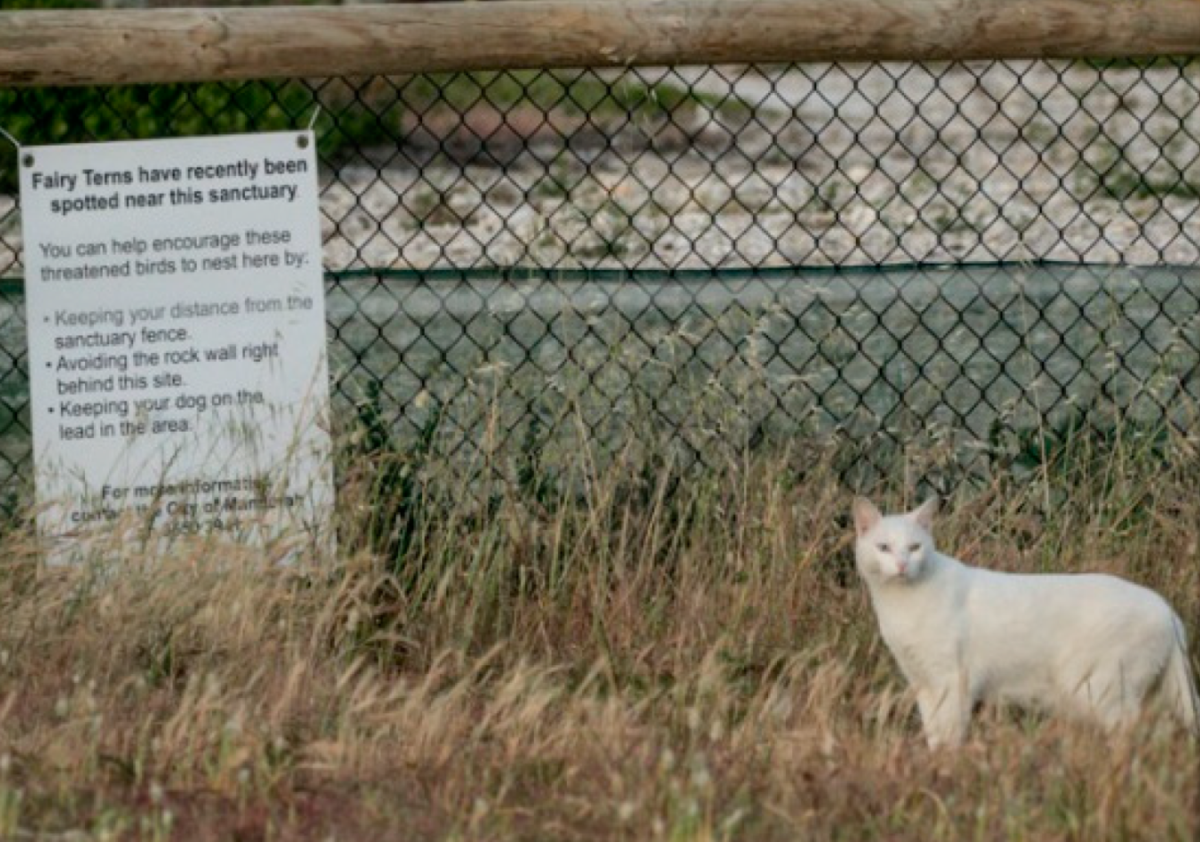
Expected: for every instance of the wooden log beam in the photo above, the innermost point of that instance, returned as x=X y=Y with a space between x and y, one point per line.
x=182 y=45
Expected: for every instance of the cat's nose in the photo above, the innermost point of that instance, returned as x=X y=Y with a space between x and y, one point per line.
x=902 y=565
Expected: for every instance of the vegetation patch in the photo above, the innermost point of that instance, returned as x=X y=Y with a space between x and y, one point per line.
x=636 y=651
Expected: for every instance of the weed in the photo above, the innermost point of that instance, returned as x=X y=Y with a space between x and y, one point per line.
x=631 y=648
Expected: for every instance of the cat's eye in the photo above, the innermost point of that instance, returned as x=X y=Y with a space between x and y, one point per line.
x=912 y=548
x=883 y=548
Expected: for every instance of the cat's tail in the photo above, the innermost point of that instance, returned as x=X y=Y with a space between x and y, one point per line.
x=1179 y=684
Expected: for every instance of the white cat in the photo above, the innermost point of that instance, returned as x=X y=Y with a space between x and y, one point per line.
x=1087 y=645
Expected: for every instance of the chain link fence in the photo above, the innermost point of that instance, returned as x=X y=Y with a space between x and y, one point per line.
x=961 y=257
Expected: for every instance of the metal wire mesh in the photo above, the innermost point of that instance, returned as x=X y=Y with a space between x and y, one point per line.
x=712 y=258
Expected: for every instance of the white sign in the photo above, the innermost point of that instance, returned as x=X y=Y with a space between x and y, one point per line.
x=176 y=317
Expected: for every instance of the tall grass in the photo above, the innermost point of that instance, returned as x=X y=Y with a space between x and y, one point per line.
x=616 y=653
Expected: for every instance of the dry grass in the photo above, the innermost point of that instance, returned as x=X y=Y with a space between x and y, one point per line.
x=680 y=658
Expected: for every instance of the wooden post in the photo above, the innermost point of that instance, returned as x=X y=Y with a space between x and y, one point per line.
x=176 y=45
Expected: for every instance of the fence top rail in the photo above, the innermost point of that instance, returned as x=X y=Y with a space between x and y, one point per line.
x=77 y=47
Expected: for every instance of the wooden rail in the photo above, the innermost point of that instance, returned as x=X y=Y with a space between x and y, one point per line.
x=177 y=45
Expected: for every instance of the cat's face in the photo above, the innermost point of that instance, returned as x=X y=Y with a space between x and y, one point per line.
x=893 y=548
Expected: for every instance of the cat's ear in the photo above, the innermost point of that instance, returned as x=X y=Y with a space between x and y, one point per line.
x=865 y=515
x=923 y=515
